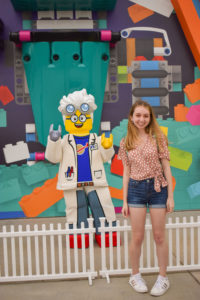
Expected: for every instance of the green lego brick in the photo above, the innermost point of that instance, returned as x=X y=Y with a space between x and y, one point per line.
x=117 y=202
x=61 y=207
x=122 y=70
x=187 y=134
x=3 y=118
x=102 y=24
x=34 y=174
x=122 y=74
x=177 y=87
x=194 y=190
x=180 y=159
x=35 y=5
x=119 y=132
x=26 y=24
x=113 y=180
x=9 y=190
x=196 y=73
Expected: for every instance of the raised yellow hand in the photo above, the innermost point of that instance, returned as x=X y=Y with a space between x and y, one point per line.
x=106 y=142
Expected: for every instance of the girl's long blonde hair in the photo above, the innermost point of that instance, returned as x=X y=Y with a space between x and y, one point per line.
x=152 y=129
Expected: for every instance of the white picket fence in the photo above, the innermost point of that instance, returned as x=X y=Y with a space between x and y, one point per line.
x=183 y=240
x=41 y=254
x=34 y=253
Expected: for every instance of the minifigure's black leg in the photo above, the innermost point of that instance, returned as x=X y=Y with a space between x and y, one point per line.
x=97 y=210
x=82 y=209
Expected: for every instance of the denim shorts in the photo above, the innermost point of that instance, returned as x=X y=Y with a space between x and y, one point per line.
x=141 y=193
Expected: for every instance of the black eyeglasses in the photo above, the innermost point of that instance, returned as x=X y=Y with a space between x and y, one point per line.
x=75 y=118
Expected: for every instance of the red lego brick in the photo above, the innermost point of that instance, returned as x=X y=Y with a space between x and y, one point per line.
x=5 y=95
x=114 y=239
x=79 y=241
x=116 y=166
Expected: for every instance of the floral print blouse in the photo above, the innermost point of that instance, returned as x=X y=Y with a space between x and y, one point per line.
x=144 y=160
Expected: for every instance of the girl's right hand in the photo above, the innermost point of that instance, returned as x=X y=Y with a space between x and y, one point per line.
x=125 y=210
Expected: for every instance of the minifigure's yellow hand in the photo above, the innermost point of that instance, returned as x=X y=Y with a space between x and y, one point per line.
x=107 y=142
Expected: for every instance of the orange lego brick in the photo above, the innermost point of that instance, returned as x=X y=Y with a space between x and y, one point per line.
x=130 y=48
x=173 y=182
x=137 y=13
x=180 y=112
x=190 y=23
x=193 y=91
x=116 y=193
x=41 y=198
x=158 y=42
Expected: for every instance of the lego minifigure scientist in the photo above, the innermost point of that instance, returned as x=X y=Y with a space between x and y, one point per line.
x=81 y=155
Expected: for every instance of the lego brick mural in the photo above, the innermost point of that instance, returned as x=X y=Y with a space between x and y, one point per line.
x=119 y=52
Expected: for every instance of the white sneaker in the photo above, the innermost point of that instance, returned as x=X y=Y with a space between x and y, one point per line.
x=138 y=283
x=160 y=287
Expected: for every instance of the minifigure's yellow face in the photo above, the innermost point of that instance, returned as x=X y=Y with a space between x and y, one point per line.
x=78 y=123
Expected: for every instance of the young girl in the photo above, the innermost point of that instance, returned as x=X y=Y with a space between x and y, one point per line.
x=147 y=181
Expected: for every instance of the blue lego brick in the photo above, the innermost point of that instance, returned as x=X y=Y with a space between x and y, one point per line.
x=31 y=157
x=153 y=101
x=35 y=173
x=11 y=214
x=149 y=83
x=149 y=65
x=3 y=118
x=30 y=137
x=9 y=190
x=194 y=190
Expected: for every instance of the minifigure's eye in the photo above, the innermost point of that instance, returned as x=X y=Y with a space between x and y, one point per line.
x=74 y=118
x=82 y=118
x=84 y=107
x=70 y=108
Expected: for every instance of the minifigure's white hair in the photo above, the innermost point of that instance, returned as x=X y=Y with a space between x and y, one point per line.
x=76 y=99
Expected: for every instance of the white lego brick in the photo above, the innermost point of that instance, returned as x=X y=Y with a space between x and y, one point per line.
x=13 y=153
x=64 y=14
x=64 y=24
x=83 y=14
x=105 y=126
x=163 y=7
x=30 y=163
x=46 y=14
x=30 y=128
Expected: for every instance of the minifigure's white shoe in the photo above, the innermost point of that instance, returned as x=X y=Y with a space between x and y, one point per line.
x=160 y=287
x=138 y=283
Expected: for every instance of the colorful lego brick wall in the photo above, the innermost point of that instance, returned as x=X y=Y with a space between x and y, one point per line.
x=159 y=51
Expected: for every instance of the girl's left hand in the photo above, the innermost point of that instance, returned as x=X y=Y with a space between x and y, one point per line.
x=170 y=205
